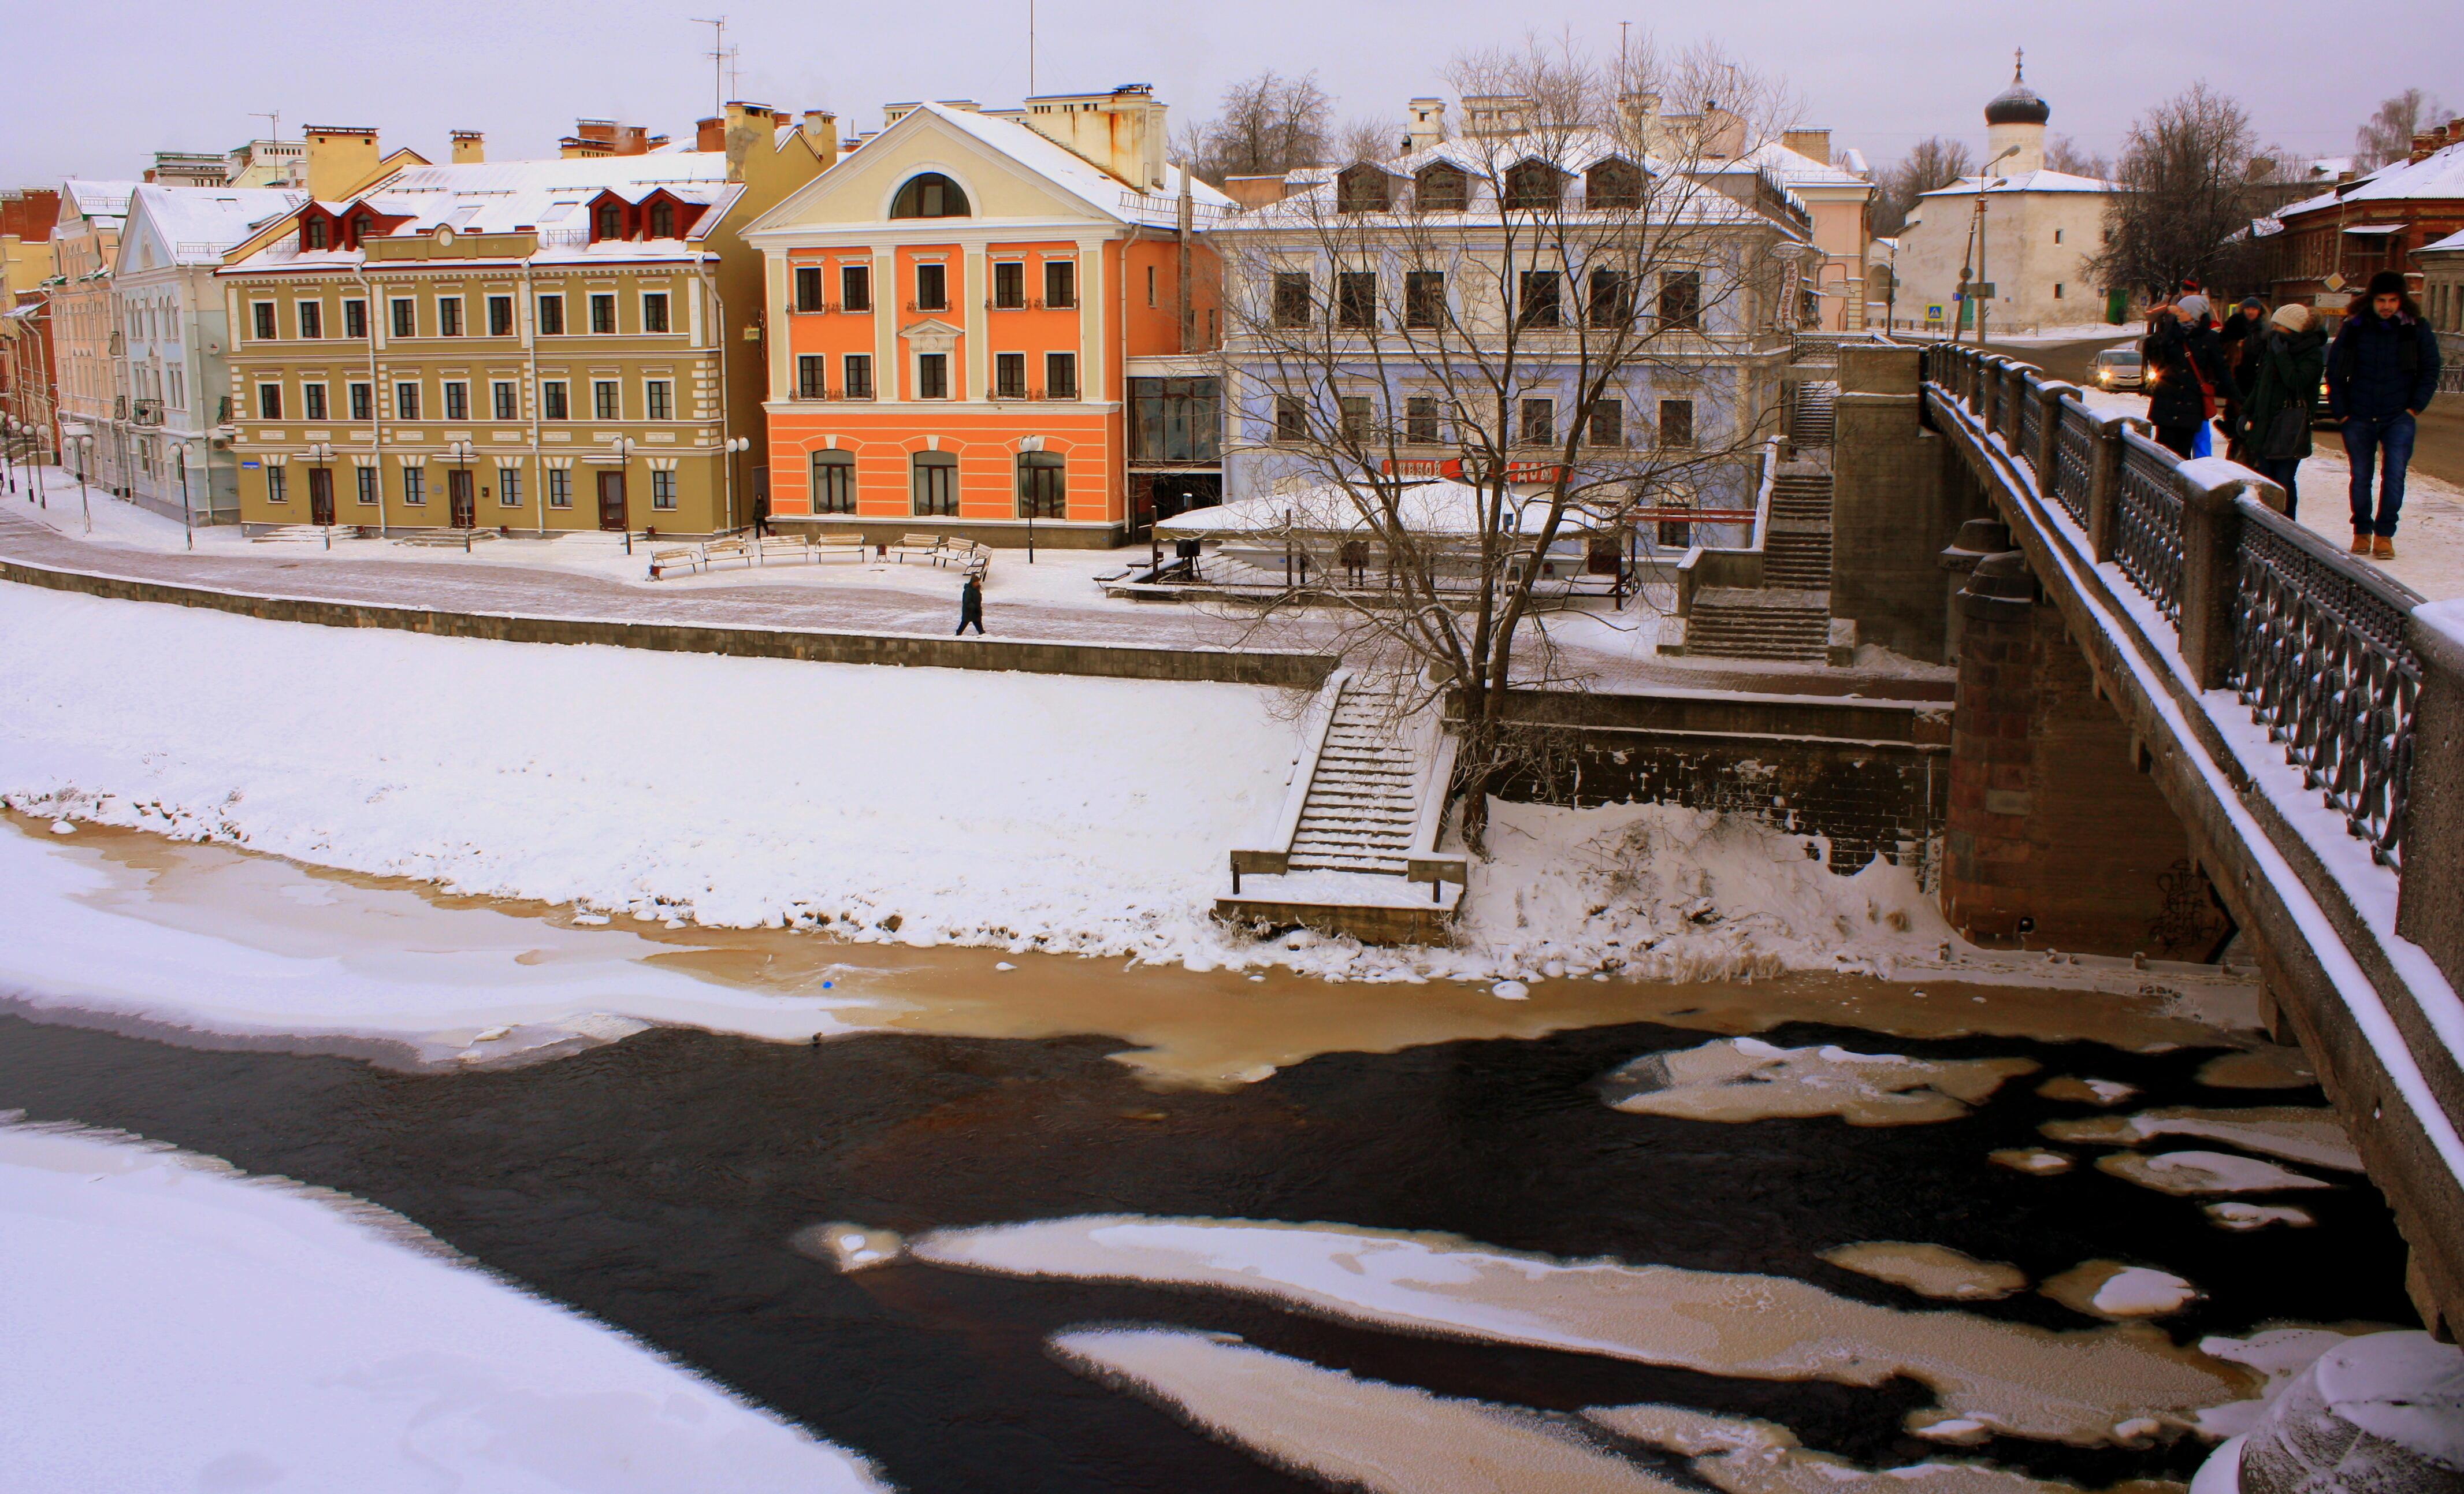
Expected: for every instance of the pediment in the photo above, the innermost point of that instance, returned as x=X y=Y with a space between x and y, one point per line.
x=932 y=334
x=999 y=182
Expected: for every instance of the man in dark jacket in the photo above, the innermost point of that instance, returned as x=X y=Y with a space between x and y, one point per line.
x=971 y=607
x=2381 y=373
x=2287 y=361
x=2237 y=343
x=2183 y=371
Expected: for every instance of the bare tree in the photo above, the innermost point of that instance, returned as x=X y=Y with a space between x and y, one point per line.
x=1502 y=312
x=1936 y=162
x=1270 y=124
x=2188 y=195
x=2387 y=135
x=2073 y=158
x=1366 y=139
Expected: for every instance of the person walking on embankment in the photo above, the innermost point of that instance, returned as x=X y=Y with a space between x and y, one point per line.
x=2381 y=373
x=2183 y=372
x=2286 y=363
x=2237 y=344
x=971 y=607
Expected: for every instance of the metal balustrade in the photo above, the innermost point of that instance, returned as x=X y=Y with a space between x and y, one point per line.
x=2032 y=424
x=2074 y=458
x=2147 y=522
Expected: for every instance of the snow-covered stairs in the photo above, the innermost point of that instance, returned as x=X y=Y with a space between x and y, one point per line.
x=1364 y=793
x=1796 y=553
x=1811 y=420
x=1735 y=623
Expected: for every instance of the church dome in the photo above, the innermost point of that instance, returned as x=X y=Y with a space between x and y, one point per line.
x=2017 y=105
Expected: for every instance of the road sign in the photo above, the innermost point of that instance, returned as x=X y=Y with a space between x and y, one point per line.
x=1982 y=290
x=1933 y=313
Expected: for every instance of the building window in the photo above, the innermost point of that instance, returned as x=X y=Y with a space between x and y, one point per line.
x=1539 y=422
x=932 y=288
x=1613 y=186
x=1175 y=420
x=1009 y=285
x=501 y=316
x=509 y=487
x=405 y=402
x=551 y=315
x=1291 y=418
x=368 y=477
x=2057 y=236
x=415 y=485
x=859 y=376
x=1362 y=188
x=1355 y=299
x=311 y=402
x=932 y=376
x=263 y=312
x=355 y=319
x=1356 y=418
x=606 y=400
x=808 y=288
x=931 y=195
x=855 y=287
x=1292 y=298
x=1424 y=297
x=1608 y=424
x=1441 y=188
x=312 y=318
x=1060 y=376
x=1536 y=301
x=812 y=377
x=1611 y=298
x=552 y=406
x=833 y=482
x=603 y=313
x=608 y=222
x=501 y=392
x=360 y=402
x=1676 y=425
x=276 y=489
x=1151 y=285
x=1421 y=420
x=1009 y=376
x=406 y=317
x=1059 y=283
x=1681 y=299
x=448 y=315
x=1042 y=485
x=2057 y=290
x=654 y=310
x=658 y=399
x=268 y=402
x=559 y=488
x=313 y=234
x=458 y=400
x=936 y=484
x=1533 y=186
x=663 y=490
x=663 y=220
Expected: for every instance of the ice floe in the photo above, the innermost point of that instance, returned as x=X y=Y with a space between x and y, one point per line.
x=1746 y=1079
x=1929 y=1270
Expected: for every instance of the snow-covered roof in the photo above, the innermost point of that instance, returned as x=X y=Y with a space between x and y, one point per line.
x=199 y=224
x=2452 y=242
x=2040 y=180
x=98 y=199
x=1428 y=508
x=1799 y=169
x=1072 y=172
x=2438 y=174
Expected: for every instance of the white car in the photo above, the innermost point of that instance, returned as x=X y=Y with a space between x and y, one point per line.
x=2118 y=369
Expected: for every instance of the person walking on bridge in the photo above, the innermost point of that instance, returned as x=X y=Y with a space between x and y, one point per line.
x=2286 y=363
x=2183 y=372
x=2381 y=373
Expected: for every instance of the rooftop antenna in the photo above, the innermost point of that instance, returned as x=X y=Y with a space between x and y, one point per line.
x=734 y=73
x=717 y=56
x=1623 y=27
x=273 y=122
x=1030 y=49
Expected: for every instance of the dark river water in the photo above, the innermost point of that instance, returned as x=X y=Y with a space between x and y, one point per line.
x=654 y=1183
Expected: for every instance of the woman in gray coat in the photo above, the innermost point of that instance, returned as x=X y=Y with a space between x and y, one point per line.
x=2290 y=358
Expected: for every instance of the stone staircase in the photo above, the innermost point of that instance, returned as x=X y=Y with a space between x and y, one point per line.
x=1737 y=623
x=1810 y=421
x=1364 y=797
x=1796 y=553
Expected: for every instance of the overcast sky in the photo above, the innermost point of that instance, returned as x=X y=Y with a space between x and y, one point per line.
x=92 y=87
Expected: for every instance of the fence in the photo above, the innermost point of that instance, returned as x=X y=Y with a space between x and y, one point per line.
x=2313 y=642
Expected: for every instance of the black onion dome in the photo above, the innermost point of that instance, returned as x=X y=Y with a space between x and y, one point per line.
x=2017 y=105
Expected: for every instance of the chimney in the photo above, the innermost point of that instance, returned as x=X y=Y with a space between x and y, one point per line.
x=1428 y=117
x=1640 y=116
x=1255 y=191
x=1812 y=144
x=822 y=133
x=340 y=157
x=469 y=147
x=746 y=125
x=1122 y=131
x=2426 y=144
x=709 y=134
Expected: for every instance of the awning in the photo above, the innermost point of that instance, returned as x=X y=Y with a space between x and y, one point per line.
x=2374 y=230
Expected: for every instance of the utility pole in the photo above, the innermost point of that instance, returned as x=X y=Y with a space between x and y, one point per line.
x=717 y=56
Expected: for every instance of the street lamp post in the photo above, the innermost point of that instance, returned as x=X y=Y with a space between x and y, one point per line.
x=622 y=446
x=9 y=449
x=322 y=455
x=1984 y=186
x=82 y=439
x=734 y=445
x=188 y=525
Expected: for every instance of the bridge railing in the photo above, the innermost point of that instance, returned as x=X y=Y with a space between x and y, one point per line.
x=2316 y=645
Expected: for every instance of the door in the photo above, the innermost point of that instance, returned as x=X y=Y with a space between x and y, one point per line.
x=612 y=501
x=320 y=495
x=459 y=502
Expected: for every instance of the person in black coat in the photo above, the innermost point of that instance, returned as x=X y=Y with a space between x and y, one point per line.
x=2381 y=373
x=2183 y=371
x=971 y=607
x=2290 y=358
x=2237 y=343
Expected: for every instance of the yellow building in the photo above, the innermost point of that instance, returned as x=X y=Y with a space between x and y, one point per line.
x=537 y=346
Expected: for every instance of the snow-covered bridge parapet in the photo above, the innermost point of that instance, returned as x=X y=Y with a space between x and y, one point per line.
x=2301 y=713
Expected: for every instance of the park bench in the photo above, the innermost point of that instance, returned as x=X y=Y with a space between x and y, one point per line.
x=925 y=546
x=718 y=550
x=784 y=547
x=683 y=557
x=840 y=547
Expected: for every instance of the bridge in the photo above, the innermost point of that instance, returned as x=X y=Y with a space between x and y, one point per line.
x=2175 y=704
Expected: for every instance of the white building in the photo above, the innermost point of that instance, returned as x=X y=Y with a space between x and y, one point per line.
x=2038 y=230
x=172 y=331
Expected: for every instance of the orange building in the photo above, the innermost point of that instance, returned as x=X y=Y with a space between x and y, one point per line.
x=982 y=319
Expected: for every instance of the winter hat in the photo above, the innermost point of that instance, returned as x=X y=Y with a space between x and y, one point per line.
x=2292 y=317
x=2194 y=304
x=2387 y=282
x=2248 y=302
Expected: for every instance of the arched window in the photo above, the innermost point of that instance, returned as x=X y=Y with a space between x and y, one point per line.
x=931 y=195
x=663 y=220
x=315 y=233
x=610 y=222
x=833 y=482
x=1613 y=185
x=1533 y=186
x=1363 y=188
x=1441 y=188
x=361 y=227
x=1042 y=485
x=936 y=484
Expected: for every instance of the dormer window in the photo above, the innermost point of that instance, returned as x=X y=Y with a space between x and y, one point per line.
x=1614 y=184
x=311 y=234
x=607 y=222
x=663 y=220
x=1363 y=188
x=361 y=226
x=931 y=195
x=1532 y=186
x=1442 y=188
